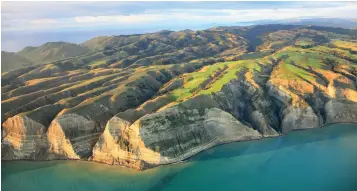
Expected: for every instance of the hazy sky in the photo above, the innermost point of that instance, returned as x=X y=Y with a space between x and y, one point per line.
x=48 y=18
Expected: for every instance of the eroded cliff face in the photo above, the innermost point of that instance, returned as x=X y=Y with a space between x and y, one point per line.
x=141 y=116
x=245 y=109
x=23 y=138
x=72 y=136
x=168 y=136
x=248 y=102
x=338 y=111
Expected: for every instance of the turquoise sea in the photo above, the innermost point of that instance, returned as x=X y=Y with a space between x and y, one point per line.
x=317 y=159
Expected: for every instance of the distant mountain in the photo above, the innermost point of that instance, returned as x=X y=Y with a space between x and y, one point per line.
x=12 y=61
x=46 y=53
x=53 y=51
x=97 y=43
x=326 y=22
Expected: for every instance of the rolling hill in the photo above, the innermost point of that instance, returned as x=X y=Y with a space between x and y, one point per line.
x=324 y=22
x=12 y=61
x=150 y=99
x=53 y=51
x=46 y=53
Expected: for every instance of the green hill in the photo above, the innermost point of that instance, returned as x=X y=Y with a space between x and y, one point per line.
x=11 y=61
x=53 y=51
x=46 y=53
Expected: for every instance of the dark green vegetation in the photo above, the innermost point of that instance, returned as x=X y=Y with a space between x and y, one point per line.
x=272 y=78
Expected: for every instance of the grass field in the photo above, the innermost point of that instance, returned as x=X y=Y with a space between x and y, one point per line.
x=345 y=44
x=304 y=42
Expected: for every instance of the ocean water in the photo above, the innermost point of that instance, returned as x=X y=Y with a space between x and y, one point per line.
x=317 y=159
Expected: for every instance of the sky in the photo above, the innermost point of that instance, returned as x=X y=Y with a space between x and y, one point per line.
x=33 y=23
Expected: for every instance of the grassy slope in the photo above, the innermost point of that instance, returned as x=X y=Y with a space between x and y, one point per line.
x=346 y=44
x=10 y=61
x=53 y=51
x=286 y=74
x=209 y=79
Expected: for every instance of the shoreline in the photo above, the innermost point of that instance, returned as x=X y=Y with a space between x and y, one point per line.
x=185 y=158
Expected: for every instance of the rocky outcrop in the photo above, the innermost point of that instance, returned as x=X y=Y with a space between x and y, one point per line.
x=72 y=136
x=249 y=104
x=299 y=118
x=167 y=137
x=23 y=138
x=341 y=111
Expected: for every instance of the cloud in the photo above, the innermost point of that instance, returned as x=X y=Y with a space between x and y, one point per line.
x=120 y=18
x=42 y=21
x=20 y=16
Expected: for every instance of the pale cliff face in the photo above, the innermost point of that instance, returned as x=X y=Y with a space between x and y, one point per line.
x=168 y=136
x=23 y=138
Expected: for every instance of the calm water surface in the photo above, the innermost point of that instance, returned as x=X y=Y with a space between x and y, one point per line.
x=318 y=159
